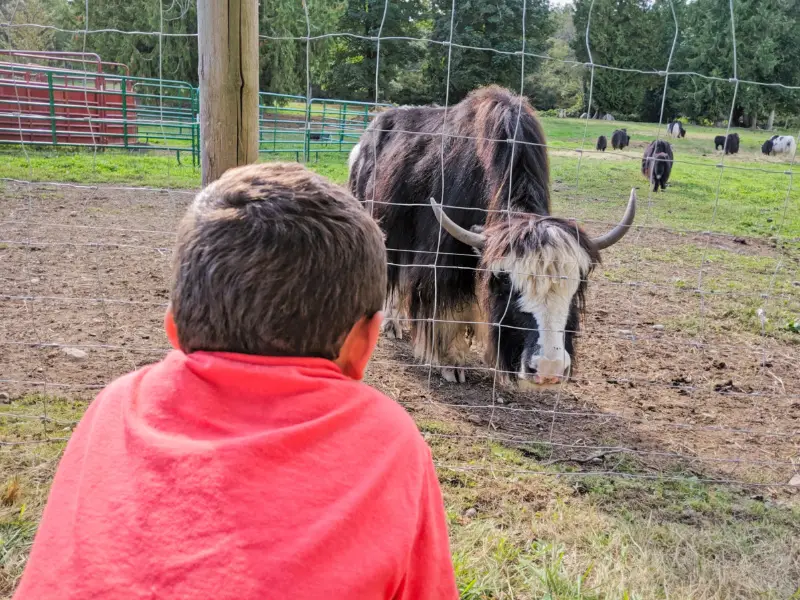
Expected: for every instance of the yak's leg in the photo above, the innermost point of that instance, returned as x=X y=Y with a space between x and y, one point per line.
x=444 y=343
x=392 y=325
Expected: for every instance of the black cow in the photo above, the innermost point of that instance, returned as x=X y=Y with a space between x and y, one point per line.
x=319 y=137
x=602 y=143
x=657 y=163
x=732 y=143
x=719 y=142
x=501 y=261
x=620 y=139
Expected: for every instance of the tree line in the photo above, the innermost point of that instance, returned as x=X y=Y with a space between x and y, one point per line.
x=418 y=64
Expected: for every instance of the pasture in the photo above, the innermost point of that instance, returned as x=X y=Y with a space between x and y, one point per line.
x=628 y=482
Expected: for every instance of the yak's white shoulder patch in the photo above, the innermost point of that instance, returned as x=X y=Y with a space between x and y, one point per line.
x=353 y=157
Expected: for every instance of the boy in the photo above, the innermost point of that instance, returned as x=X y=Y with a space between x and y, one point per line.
x=251 y=462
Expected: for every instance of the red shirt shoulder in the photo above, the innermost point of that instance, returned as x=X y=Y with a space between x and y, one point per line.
x=213 y=475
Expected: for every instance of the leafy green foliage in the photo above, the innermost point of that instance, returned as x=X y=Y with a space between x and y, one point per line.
x=764 y=52
x=558 y=82
x=496 y=25
x=628 y=34
x=178 y=53
x=283 y=61
x=351 y=75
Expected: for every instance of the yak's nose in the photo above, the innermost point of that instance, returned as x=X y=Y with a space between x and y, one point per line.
x=550 y=371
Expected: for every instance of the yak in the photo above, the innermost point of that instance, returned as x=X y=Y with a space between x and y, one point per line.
x=732 y=143
x=620 y=139
x=463 y=198
x=783 y=144
x=602 y=143
x=675 y=129
x=657 y=163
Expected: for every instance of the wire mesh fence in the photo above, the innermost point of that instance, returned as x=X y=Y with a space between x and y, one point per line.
x=687 y=356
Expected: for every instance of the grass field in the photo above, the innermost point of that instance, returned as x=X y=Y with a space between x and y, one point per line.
x=529 y=519
x=743 y=194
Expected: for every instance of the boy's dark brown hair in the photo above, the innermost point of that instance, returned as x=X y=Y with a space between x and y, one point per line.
x=274 y=260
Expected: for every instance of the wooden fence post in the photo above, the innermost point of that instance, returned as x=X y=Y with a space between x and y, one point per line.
x=228 y=73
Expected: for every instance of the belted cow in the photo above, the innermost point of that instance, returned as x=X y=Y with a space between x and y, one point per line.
x=463 y=197
x=676 y=130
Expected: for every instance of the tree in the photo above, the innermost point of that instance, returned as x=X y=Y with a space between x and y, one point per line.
x=150 y=55
x=626 y=34
x=355 y=59
x=558 y=82
x=480 y=24
x=283 y=61
x=765 y=32
x=26 y=38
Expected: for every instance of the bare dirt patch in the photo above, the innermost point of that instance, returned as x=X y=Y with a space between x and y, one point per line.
x=665 y=381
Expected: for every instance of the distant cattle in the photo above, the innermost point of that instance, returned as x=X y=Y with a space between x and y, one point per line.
x=319 y=137
x=730 y=143
x=620 y=139
x=609 y=117
x=675 y=129
x=602 y=143
x=657 y=163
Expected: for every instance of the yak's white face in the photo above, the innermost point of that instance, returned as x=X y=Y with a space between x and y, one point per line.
x=544 y=283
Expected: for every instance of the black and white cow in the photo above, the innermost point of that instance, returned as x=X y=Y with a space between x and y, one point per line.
x=490 y=259
x=783 y=144
x=675 y=129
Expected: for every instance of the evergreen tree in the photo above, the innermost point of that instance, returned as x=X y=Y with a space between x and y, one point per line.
x=626 y=34
x=352 y=72
x=480 y=24
x=558 y=82
x=178 y=54
x=765 y=31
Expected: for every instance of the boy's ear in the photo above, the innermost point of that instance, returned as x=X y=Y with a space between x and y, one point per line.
x=171 y=329
x=359 y=345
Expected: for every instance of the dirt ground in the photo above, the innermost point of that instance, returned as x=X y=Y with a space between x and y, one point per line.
x=87 y=269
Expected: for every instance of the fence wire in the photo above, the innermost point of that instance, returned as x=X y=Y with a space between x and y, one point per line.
x=502 y=416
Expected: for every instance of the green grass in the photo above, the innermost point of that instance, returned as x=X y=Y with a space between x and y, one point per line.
x=746 y=194
x=516 y=530
x=735 y=284
x=26 y=471
x=528 y=534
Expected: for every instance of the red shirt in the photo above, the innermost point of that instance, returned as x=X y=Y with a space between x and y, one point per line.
x=226 y=476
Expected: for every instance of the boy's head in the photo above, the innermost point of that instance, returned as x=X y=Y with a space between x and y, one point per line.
x=274 y=260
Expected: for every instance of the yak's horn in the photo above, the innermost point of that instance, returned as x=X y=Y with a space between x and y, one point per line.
x=476 y=240
x=616 y=234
